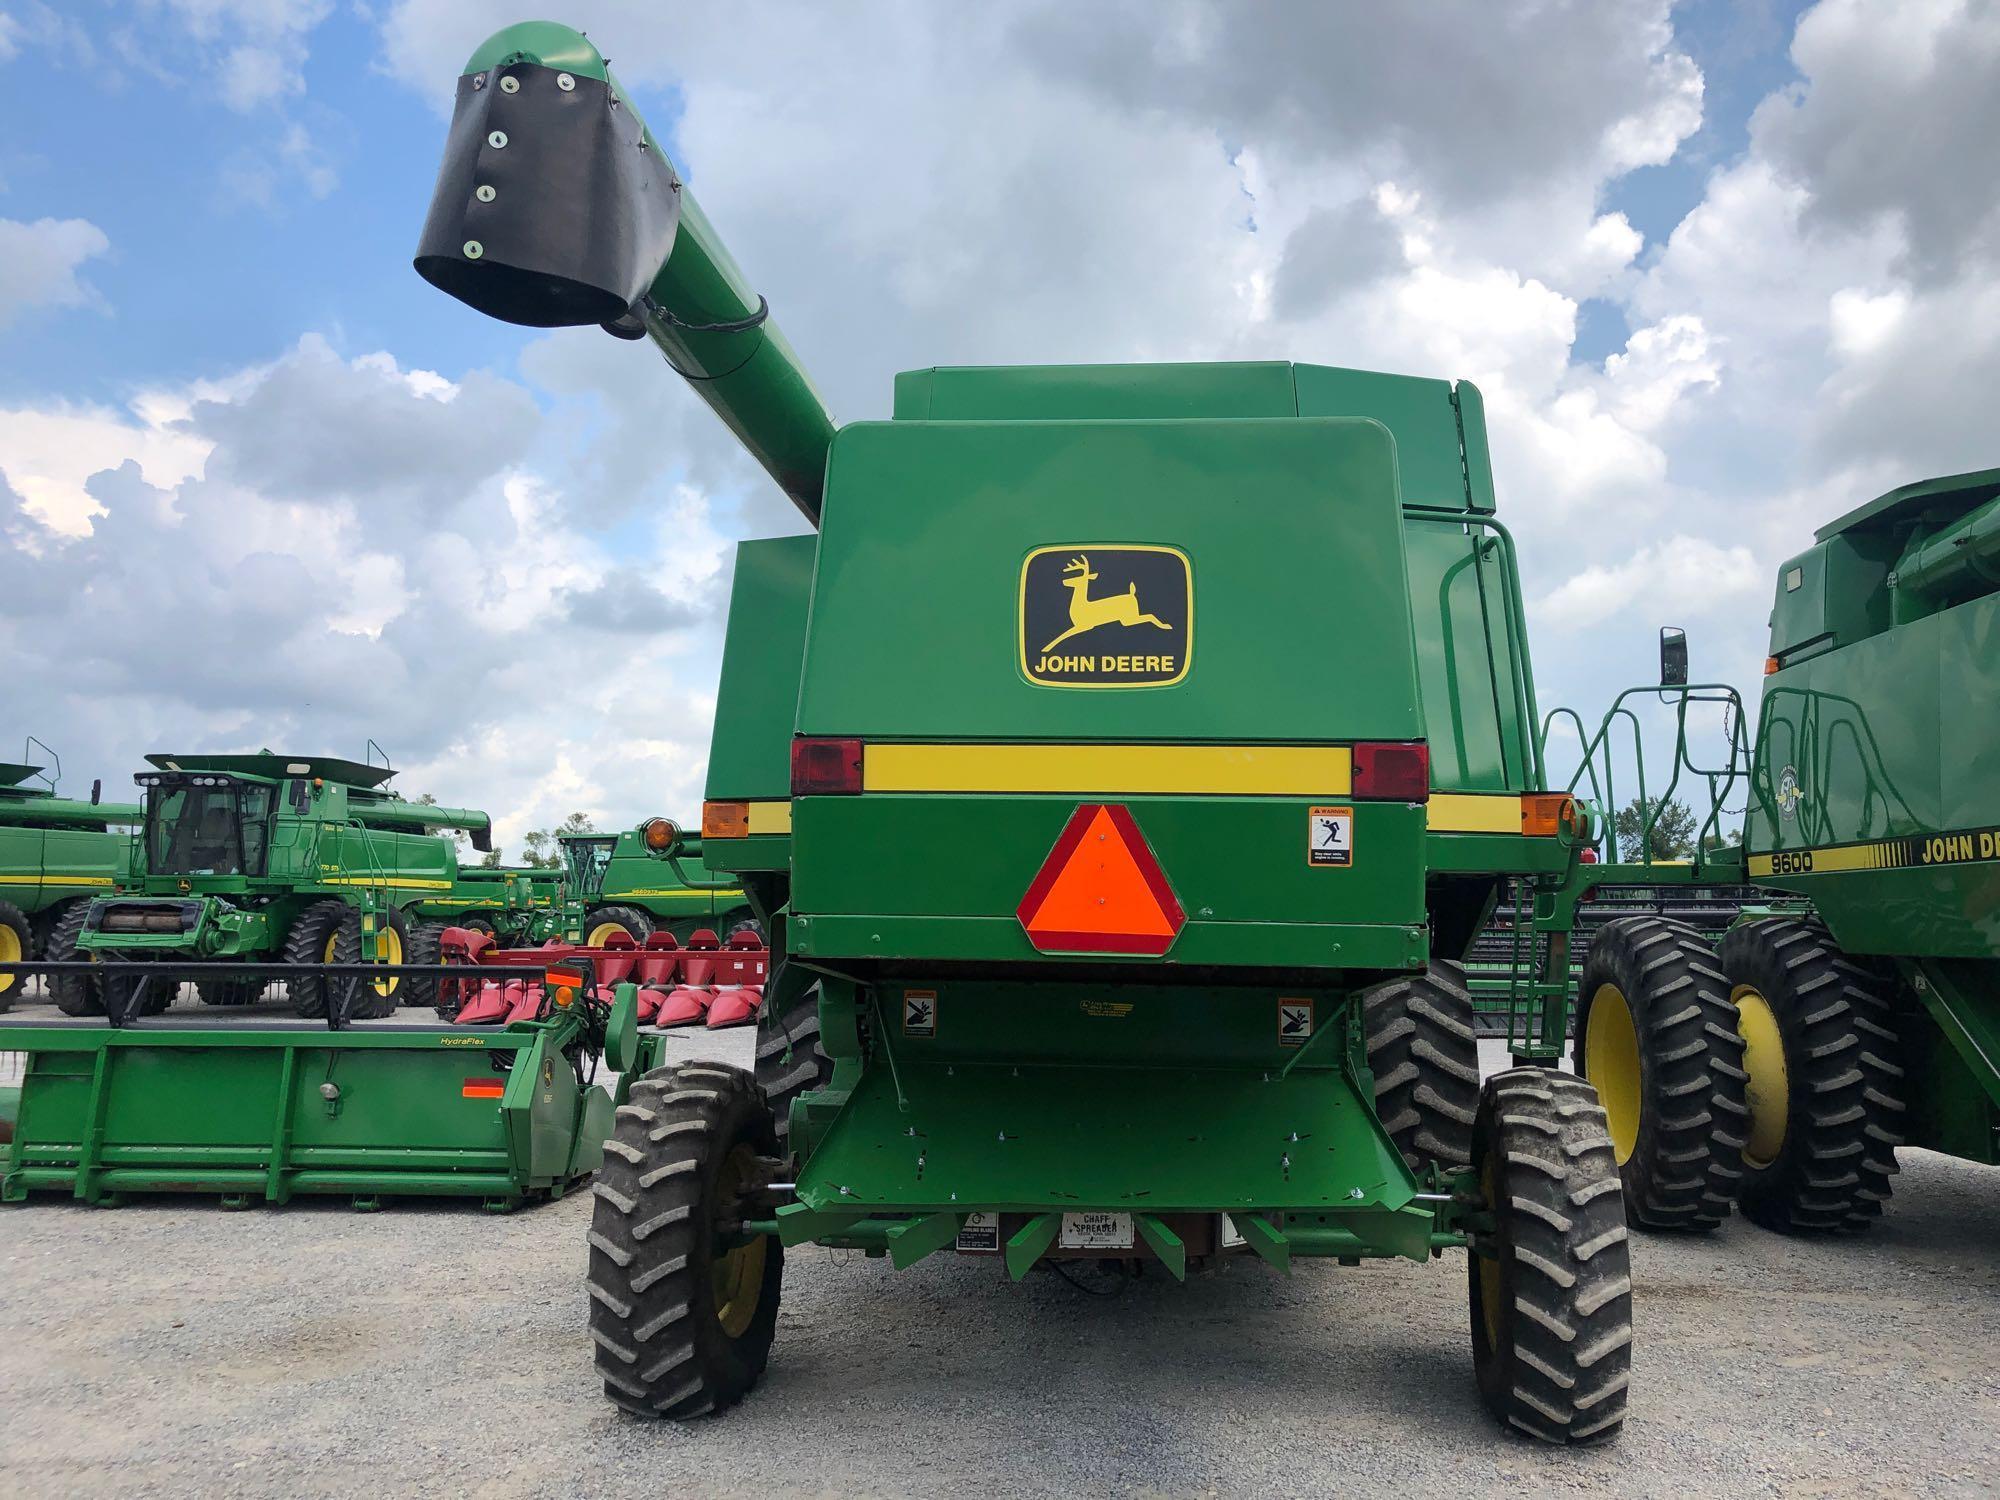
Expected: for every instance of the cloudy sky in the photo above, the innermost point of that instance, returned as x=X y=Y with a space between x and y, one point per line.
x=1723 y=270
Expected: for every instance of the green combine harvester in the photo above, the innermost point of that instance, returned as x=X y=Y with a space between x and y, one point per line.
x=55 y=855
x=1186 y=715
x=515 y=905
x=299 y=860
x=645 y=880
x=254 y=869
x=1859 y=1009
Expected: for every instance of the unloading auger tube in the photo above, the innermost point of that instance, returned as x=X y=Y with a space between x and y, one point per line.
x=556 y=207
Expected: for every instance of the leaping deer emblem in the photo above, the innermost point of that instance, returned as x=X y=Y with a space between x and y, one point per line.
x=1086 y=613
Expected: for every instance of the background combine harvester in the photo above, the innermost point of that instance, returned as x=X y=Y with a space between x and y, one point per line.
x=55 y=855
x=1857 y=1008
x=254 y=869
x=273 y=859
x=691 y=978
x=1186 y=716
x=646 y=880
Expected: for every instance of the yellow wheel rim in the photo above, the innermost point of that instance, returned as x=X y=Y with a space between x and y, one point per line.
x=1769 y=1088
x=1489 y=1265
x=392 y=953
x=10 y=953
x=326 y=953
x=737 y=1275
x=1611 y=1063
x=601 y=934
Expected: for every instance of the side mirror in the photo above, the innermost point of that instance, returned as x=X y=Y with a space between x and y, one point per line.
x=1673 y=656
x=97 y=791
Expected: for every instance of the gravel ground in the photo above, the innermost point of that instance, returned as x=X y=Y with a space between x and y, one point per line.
x=169 y=1347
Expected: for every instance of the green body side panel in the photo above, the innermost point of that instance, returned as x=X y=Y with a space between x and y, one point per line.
x=1893 y=744
x=54 y=850
x=241 y=1111
x=750 y=754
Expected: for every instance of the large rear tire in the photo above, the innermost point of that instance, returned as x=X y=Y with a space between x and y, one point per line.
x=17 y=945
x=683 y=1314
x=791 y=1060
x=74 y=994
x=1551 y=1282
x=605 y=920
x=1826 y=1090
x=1656 y=1036
x=1425 y=1058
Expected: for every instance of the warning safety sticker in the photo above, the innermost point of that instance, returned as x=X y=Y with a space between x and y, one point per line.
x=1330 y=836
x=919 y=1012
x=1295 y=1022
x=979 y=1234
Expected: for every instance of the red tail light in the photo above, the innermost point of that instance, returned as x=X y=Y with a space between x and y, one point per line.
x=825 y=768
x=1392 y=772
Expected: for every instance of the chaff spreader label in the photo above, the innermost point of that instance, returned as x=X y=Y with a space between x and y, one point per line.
x=1106 y=615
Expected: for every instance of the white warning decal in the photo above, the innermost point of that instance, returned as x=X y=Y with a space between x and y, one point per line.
x=919 y=1012
x=980 y=1234
x=1330 y=836
x=1095 y=1231
x=1295 y=1022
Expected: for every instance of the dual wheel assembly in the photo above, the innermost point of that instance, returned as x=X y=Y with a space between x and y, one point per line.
x=1762 y=1073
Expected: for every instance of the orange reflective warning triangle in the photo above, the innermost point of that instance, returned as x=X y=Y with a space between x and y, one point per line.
x=1101 y=890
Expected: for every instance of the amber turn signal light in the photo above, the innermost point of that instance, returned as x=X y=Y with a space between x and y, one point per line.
x=725 y=820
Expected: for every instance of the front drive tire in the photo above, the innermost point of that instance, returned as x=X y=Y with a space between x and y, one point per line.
x=604 y=921
x=420 y=946
x=1656 y=1036
x=1551 y=1282
x=1425 y=1058
x=1826 y=1086
x=683 y=1318
x=74 y=994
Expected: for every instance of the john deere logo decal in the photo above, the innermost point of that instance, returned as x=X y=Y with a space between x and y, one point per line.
x=1789 y=792
x=1105 y=615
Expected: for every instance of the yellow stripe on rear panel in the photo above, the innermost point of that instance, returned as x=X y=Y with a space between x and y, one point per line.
x=770 y=817
x=1113 y=770
x=1460 y=812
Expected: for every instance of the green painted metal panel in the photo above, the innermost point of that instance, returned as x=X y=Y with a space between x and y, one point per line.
x=1421 y=414
x=200 y=1107
x=1021 y=1138
x=54 y=849
x=1294 y=540
x=1924 y=500
x=1230 y=860
x=750 y=753
x=1097 y=393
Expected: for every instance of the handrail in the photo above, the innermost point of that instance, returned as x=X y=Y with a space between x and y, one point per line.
x=1604 y=802
x=27 y=752
x=1520 y=661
